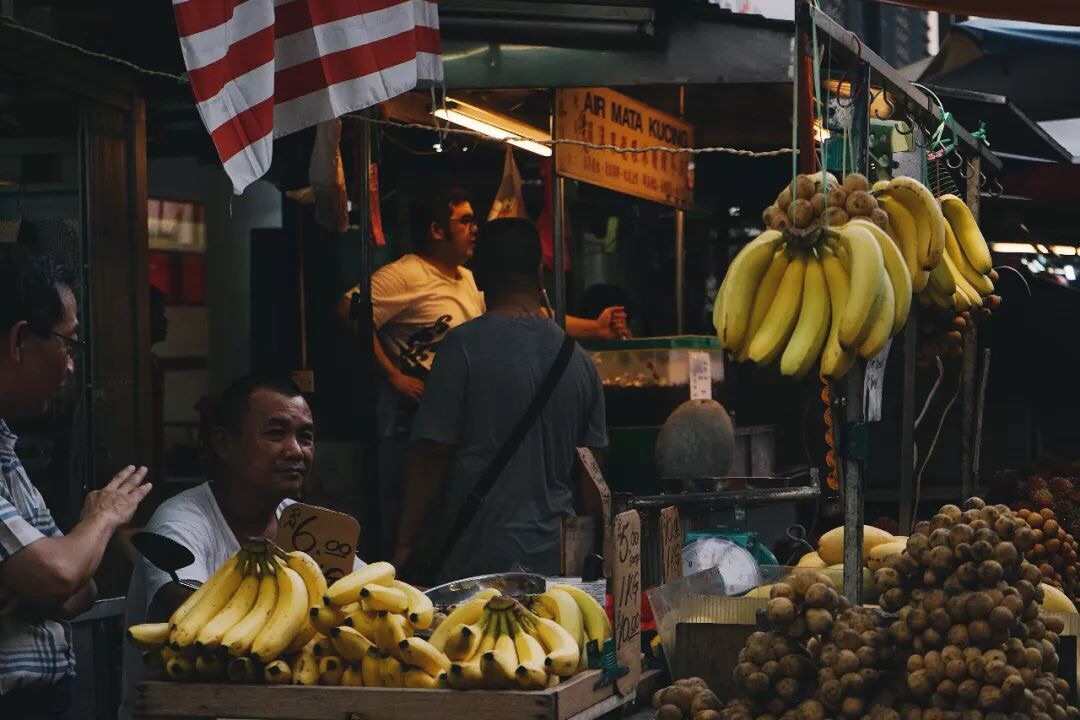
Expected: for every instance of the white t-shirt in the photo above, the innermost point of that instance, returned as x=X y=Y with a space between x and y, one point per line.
x=414 y=305
x=193 y=519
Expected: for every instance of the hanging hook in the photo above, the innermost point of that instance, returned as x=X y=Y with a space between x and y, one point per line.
x=959 y=160
x=883 y=93
x=982 y=180
x=908 y=122
x=999 y=191
x=853 y=85
x=970 y=171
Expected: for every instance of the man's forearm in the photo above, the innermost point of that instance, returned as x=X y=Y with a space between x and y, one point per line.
x=78 y=603
x=53 y=569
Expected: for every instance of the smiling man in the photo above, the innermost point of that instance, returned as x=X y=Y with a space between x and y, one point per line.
x=262 y=444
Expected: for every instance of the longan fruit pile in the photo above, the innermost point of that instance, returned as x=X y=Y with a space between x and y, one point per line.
x=687 y=698
x=854 y=660
x=1051 y=548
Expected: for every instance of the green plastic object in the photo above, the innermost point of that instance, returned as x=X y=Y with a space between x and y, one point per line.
x=749 y=540
x=673 y=342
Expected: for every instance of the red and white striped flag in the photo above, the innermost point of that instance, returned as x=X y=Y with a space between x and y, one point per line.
x=261 y=69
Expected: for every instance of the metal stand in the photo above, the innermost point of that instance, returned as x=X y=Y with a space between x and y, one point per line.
x=558 y=212
x=969 y=482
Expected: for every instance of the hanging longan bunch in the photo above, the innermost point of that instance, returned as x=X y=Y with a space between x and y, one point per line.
x=1046 y=544
x=775 y=671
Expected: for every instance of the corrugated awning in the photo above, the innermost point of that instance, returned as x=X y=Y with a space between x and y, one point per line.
x=1062 y=12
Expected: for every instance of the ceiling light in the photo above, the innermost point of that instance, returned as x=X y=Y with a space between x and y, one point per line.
x=1007 y=247
x=498 y=127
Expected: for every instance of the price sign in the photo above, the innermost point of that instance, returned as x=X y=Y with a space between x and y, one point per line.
x=626 y=589
x=588 y=462
x=874 y=384
x=671 y=543
x=700 y=375
x=327 y=536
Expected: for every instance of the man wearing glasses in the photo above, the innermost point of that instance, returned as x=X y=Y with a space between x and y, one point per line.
x=416 y=300
x=46 y=577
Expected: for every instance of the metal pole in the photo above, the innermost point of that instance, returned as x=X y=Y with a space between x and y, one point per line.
x=558 y=202
x=907 y=426
x=680 y=247
x=969 y=368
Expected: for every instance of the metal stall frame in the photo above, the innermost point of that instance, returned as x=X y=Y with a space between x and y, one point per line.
x=846 y=396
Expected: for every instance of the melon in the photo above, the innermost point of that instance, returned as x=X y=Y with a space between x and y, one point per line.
x=761 y=591
x=870 y=594
x=811 y=560
x=881 y=552
x=1056 y=601
x=831 y=545
x=697 y=441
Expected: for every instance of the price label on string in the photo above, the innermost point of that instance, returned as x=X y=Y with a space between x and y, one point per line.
x=874 y=384
x=626 y=586
x=671 y=543
x=700 y=375
x=327 y=536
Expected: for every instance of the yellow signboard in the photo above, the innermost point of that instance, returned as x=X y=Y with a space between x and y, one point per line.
x=605 y=117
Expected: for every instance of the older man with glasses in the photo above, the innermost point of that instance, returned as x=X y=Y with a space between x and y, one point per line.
x=416 y=300
x=46 y=577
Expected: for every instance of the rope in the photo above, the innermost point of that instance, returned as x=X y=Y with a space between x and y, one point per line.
x=930 y=452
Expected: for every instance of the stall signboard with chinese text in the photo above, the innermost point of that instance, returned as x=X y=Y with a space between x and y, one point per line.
x=327 y=536
x=604 y=117
x=626 y=586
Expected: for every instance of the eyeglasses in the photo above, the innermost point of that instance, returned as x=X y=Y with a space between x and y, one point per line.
x=466 y=220
x=72 y=345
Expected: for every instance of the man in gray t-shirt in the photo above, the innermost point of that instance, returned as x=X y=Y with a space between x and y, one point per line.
x=485 y=376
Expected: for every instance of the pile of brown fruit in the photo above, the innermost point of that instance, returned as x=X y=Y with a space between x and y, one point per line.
x=688 y=698
x=811 y=206
x=968 y=620
x=855 y=659
x=1052 y=549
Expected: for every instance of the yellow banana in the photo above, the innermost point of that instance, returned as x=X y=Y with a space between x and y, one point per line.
x=498 y=666
x=350 y=643
x=277 y=673
x=233 y=563
x=531 y=676
x=362 y=620
x=979 y=282
x=240 y=636
x=325 y=618
x=881 y=325
x=467 y=613
x=974 y=299
x=352 y=676
x=306 y=670
x=466 y=675
x=211 y=634
x=905 y=233
x=420 y=680
x=321 y=645
x=812 y=328
x=897 y=271
x=347 y=589
x=718 y=311
x=420 y=611
x=392 y=673
x=743 y=277
x=180 y=668
x=149 y=636
x=389 y=632
x=917 y=199
x=530 y=673
x=287 y=619
x=167 y=653
x=463 y=641
x=331 y=669
x=369 y=669
x=242 y=670
x=968 y=235
x=210 y=667
x=382 y=598
x=563 y=655
x=868 y=279
x=566 y=610
x=948 y=302
x=529 y=649
x=942 y=279
x=779 y=322
x=216 y=594
x=315 y=582
x=420 y=653
x=835 y=359
x=766 y=291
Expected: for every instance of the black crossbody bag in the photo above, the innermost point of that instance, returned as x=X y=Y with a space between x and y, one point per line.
x=428 y=572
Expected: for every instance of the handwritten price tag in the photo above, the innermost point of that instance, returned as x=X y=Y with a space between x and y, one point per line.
x=700 y=375
x=327 y=536
x=588 y=462
x=671 y=539
x=626 y=586
x=874 y=384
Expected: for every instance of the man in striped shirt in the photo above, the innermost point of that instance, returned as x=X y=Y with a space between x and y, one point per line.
x=46 y=577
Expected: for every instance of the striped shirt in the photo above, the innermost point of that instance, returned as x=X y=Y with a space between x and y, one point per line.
x=31 y=653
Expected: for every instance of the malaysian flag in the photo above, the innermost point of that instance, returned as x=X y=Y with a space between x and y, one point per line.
x=261 y=69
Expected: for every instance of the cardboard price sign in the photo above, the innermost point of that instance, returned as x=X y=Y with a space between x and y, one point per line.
x=626 y=587
x=327 y=536
x=593 y=471
x=671 y=543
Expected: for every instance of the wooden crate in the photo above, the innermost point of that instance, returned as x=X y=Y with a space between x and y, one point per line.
x=577 y=698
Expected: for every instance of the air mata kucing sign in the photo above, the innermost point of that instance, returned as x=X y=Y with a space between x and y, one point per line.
x=604 y=117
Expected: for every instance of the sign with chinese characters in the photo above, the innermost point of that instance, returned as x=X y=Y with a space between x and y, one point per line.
x=327 y=536
x=604 y=117
x=626 y=586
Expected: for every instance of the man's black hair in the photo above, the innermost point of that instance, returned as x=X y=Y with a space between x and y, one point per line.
x=234 y=403
x=507 y=255
x=30 y=289
x=436 y=208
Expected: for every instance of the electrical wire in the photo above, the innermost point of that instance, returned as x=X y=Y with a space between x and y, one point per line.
x=930 y=453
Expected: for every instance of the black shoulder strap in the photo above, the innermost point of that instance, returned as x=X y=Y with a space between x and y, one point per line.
x=509 y=447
